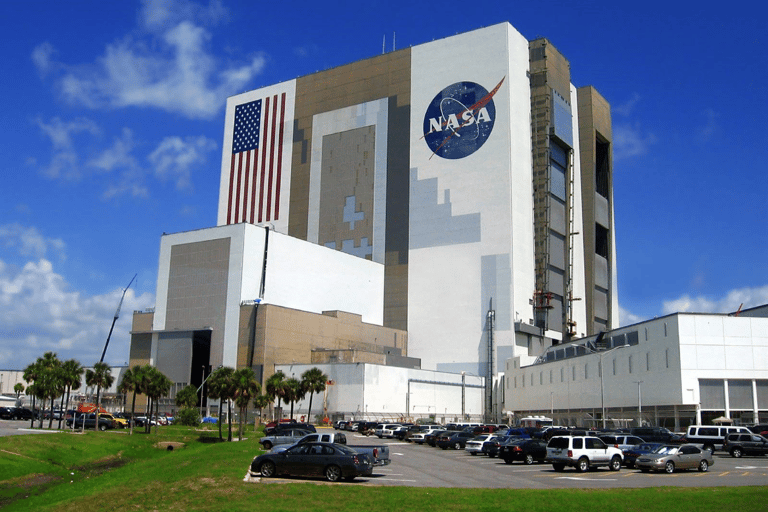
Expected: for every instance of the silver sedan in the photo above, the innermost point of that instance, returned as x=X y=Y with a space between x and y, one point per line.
x=669 y=458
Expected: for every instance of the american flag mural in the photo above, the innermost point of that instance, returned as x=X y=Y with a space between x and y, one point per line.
x=256 y=165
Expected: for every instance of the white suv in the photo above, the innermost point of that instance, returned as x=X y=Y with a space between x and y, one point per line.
x=582 y=453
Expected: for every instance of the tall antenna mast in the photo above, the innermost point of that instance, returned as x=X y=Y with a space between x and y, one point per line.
x=384 y=44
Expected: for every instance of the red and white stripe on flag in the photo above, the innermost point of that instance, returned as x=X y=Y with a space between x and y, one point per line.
x=256 y=165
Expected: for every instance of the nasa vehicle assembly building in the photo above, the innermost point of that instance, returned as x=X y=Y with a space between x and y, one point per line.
x=441 y=208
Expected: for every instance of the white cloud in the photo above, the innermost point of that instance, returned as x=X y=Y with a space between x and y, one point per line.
x=749 y=297
x=29 y=242
x=158 y=14
x=119 y=159
x=167 y=67
x=626 y=108
x=710 y=126
x=39 y=312
x=41 y=57
x=65 y=161
x=630 y=141
x=174 y=158
x=628 y=318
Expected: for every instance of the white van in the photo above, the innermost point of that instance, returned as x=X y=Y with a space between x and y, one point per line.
x=712 y=436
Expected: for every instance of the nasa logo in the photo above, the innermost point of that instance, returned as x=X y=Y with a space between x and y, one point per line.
x=460 y=119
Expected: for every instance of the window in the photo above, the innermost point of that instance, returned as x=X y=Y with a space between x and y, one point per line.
x=562 y=374
x=647 y=361
x=573 y=371
x=666 y=357
x=601 y=241
x=630 y=364
x=586 y=371
x=550 y=376
x=614 y=366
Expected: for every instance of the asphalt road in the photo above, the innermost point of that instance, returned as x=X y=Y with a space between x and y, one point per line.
x=424 y=466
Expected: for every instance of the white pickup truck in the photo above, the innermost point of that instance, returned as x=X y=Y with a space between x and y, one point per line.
x=378 y=454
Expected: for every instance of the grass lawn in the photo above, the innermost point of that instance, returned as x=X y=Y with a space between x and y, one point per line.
x=115 y=471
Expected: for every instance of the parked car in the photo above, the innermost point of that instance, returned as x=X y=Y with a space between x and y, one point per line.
x=631 y=454
x=582 y=453
x=276 y=428
x=22 y=413
x=89 y=419
x=333 y=461
x=379 y=455
x=386 y=430
x=491 y=448
x=421 y=437
x=431 y=438
x=759 y=429
x=289 y=436
x=669 y=458
x=525 y=450
x=6 y=413
x=657 y=435
x=712 y=436
x=622 y=441
x=478 y=443
x=745 y=444
x=455 y=440
x=405 y=432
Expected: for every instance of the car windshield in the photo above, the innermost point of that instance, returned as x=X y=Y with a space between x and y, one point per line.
x=666 y=450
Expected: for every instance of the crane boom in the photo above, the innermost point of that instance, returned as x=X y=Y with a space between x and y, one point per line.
x=117 y=315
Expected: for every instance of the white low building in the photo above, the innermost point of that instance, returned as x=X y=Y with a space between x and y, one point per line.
x=671 y=371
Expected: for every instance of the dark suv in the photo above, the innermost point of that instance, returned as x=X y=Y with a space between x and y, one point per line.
x=745 y=444
x=657 y=435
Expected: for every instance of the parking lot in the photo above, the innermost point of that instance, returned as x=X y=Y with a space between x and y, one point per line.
x=424 y=466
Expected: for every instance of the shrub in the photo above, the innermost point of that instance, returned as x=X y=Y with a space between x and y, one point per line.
x=188 y=416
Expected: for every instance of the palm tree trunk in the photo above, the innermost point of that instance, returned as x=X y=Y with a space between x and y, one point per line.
x=42 y=413
x=32 y=425
x=221 y=402
x=309 y=411
x=133 y=411
x=63 y=411
x=98 y=406
x=229 y=420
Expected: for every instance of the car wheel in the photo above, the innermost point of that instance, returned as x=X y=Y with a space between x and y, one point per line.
x=644 y=470
x=669 y=467
x=102 y=427
x=703 y=466
x=736 y=452
x=615 y=464
x=558 y=467
x=507 y=461
x=457 y=446
x=333 y=473
x=267 y=469
x=492 y=455
x=709 y=448
x=582 y=466
x=443 y=447
x=630 y=465
x=267 y=445
x=529 y=459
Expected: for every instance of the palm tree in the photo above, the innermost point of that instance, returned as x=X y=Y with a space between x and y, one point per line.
x=187 y=397
x=159 y=386
x=293 y=392
x=18 y=388
x=260 y=402
x=101 y=377
x=30 y=375
x=48 y=382
x=313 y=381
x=220 y=386
x=130 y=383
x=72 y=373
x=245 y=387
x=276 y=387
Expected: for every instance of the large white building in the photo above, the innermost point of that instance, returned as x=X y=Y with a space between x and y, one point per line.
x=673 y=371
x=469 y=174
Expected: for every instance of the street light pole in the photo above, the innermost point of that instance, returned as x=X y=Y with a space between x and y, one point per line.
x=639 y=404
x=602 y=378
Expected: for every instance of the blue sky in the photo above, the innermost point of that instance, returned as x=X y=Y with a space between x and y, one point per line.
x=114 y=117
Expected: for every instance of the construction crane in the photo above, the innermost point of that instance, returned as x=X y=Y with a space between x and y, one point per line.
x=117 y=314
